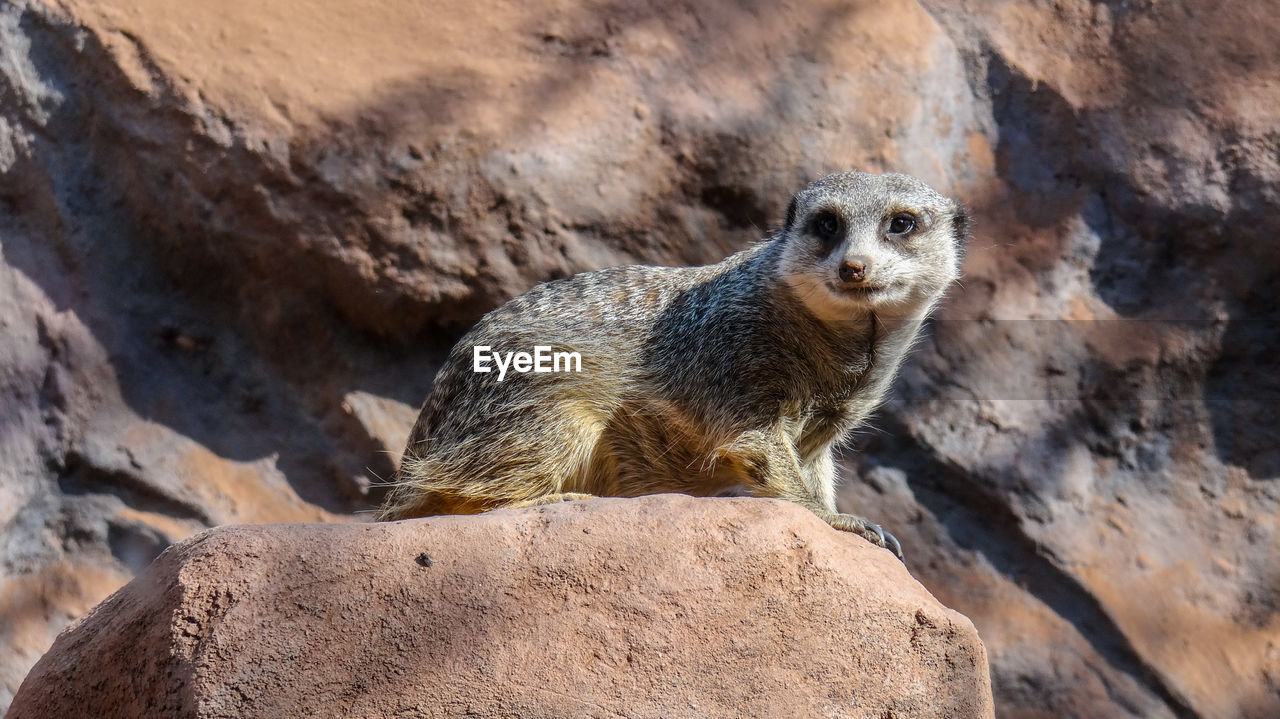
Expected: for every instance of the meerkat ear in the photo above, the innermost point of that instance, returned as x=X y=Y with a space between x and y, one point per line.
x=791 y=214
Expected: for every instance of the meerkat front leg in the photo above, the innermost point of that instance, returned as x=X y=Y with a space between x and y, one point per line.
x=772 y=469
x=821 y=473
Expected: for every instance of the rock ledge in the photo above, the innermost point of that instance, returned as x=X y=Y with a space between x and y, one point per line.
x=655 y=607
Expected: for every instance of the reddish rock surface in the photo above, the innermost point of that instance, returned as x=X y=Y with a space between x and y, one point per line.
x=236 y=239
x=657 y=607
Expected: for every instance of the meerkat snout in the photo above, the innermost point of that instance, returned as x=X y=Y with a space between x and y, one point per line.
x=854 y=269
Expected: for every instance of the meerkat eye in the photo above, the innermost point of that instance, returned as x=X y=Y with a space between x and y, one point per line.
x=901 y=224
x=826 y=225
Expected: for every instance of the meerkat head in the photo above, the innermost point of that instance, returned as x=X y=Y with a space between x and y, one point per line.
x=855 y=242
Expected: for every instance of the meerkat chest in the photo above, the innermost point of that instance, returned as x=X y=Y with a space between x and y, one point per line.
x=816 y=424
x=830 y=419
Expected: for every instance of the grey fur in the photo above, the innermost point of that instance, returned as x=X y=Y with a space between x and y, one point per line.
x=695 y=379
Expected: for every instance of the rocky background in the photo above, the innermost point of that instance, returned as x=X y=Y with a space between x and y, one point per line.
x=236 y=239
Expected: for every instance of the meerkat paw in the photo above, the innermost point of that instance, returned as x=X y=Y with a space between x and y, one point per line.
x=549 y=499
x=866 y=529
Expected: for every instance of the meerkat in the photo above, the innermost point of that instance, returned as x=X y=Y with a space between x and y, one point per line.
x=692 y=379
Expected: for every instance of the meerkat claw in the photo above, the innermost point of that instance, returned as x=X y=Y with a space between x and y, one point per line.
x=892 y=544
x=871 y=528
x=866 y=529
x=886 y=540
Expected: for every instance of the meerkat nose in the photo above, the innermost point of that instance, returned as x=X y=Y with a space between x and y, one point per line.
x=853 y=269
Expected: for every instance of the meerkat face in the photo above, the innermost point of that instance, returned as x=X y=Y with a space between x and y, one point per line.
x=856 y=242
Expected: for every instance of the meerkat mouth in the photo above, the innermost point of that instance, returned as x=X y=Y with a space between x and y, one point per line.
x=859 y=290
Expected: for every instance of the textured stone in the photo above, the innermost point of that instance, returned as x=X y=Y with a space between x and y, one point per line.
x=655 y=607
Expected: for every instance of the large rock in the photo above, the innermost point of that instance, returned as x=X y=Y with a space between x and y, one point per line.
x=656 y=607
x=236 y=238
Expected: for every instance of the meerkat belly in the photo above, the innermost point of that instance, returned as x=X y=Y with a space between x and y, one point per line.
x=651 y=447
